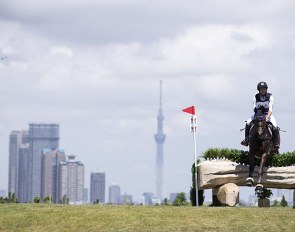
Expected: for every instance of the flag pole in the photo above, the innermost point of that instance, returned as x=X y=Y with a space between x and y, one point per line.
x=191 y=110
x=194 y=130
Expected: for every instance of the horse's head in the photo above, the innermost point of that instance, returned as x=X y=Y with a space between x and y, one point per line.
x=260 y=122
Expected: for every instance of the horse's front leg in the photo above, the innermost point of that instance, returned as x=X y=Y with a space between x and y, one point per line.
x=250 y=180
x=259 y=186
x=262 y=162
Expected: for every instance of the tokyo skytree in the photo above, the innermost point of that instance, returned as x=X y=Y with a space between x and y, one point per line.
x=160 y=139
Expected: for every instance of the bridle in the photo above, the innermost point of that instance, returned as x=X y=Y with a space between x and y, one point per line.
x=260 y=124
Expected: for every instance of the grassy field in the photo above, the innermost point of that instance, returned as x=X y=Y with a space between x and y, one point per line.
x=46 y=217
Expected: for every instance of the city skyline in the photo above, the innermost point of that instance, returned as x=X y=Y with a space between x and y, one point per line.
x=47 y=189
x=93 y=67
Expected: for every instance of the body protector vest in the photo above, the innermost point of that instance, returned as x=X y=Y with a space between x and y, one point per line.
x=263 y=103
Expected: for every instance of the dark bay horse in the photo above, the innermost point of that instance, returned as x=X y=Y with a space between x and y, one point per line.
x=260 y=146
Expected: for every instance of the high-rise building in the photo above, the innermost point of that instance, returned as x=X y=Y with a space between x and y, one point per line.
x=97 y=187
x=50 y=173
x=85 y=195
x=160 y=139
x=125 y=199
x=40 y=136
x=114 y=194
x=23 y=173
x=146 y=198
x=71 y=177
x=16 y=139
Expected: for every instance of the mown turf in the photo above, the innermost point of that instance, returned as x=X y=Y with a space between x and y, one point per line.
x=46 y=217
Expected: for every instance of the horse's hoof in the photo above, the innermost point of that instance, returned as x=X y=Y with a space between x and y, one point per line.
x=259 y=188
x=250 y=181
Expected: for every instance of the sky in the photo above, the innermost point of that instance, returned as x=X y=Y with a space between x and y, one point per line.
x=94 y=67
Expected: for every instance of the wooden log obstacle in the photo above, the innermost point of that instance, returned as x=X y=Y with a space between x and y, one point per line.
x=216 y=174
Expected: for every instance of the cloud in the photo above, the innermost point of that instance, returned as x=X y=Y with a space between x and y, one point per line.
x=92 y=22
x=62 y=51
x=94 y=67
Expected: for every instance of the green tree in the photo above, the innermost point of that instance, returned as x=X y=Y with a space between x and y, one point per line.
x=96 y=202
x=180 y=199
x=11 y=198
x=8 y=198
x=193 y=191
x=265 y=193
x=165 y=201
x=37 y=200
x=65 y=199
x=276 y=203
x=284 y=203
x=47 y=199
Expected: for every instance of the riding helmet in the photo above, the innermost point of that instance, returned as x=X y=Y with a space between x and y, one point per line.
x=262 y=84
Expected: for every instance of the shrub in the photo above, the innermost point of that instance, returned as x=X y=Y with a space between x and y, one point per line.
x=201 y=196
x=284 y=203
x=180 y=200
x=47 y=199
x=266 y=193
x=242 y=157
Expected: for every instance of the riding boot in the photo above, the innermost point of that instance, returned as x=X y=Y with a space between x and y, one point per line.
x=277 y=139
x=245 y=142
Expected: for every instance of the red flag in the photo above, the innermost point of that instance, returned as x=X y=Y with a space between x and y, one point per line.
x=189 y=110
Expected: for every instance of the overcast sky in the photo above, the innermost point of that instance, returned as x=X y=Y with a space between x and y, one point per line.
x=93 y=66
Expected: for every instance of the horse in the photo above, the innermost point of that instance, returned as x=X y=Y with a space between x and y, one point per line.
x=260 y=146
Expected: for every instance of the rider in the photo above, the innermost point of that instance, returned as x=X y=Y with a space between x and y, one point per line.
x=263 y=100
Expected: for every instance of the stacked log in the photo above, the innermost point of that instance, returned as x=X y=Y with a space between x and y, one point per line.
x=213 y=174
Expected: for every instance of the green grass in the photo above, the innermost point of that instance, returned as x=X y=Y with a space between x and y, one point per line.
x=46 y=217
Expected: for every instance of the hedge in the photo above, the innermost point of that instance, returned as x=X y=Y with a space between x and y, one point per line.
x=242 y=157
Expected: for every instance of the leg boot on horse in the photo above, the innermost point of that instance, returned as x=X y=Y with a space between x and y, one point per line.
x=259 y=187
x=250 y=180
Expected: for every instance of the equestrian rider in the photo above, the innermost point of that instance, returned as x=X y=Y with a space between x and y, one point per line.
x=263 y=100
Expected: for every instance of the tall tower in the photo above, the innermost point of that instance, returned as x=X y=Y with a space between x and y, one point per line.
x=160 y=139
